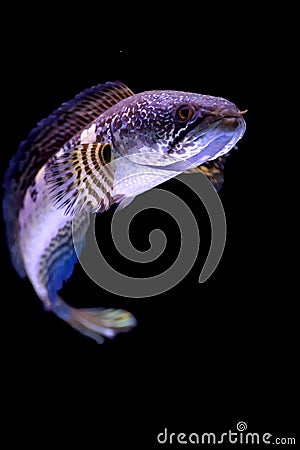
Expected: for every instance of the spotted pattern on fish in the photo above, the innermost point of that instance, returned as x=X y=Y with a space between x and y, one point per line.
x=104 y=146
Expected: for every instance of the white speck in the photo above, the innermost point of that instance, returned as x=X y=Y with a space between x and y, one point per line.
x=88 y=136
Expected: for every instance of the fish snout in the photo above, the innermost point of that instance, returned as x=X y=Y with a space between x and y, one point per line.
x=231 y=123
x=230 y=118
x=225 y=112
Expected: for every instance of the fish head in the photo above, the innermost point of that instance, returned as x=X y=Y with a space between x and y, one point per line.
x=173 y=129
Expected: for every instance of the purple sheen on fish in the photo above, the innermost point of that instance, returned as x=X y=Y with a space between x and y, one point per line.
x=105 y=146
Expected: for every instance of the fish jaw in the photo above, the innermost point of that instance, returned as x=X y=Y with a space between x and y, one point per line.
x=217 y=140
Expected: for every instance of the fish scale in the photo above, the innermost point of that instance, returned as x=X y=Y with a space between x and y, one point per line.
x=105 y=146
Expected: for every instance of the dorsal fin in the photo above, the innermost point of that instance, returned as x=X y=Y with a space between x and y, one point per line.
x=43 y=142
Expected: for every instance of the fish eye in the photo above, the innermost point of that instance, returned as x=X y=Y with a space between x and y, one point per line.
x=184 y=113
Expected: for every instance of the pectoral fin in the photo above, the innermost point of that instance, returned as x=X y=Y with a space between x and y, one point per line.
x=214 y=170
x=81 y=178
x=123 y=203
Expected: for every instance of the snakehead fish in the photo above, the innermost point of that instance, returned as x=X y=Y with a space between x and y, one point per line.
x=103 y=147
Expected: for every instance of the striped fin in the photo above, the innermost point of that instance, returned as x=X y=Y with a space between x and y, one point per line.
x=56 y=266
x=97 y=323
x=43 y=142
x=58 y=260
x=214 y=170
x=81 y=178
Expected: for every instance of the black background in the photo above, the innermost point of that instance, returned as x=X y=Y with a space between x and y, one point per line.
x=202 y=357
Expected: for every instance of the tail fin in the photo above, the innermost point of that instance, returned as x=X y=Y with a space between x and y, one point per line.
x=96 y=323
x=57 y=266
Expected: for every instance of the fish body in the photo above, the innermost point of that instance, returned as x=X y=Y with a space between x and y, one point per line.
x=104 y=147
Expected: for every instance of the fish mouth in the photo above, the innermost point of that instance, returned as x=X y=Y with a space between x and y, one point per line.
x=231 y=128
x=226 y=119
x=206 y=140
